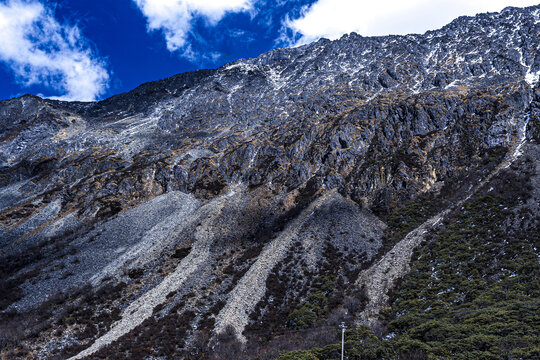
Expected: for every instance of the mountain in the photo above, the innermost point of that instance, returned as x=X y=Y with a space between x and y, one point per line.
x=390 y=183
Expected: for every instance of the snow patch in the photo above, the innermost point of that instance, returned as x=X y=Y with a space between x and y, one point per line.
x=275 y=79
x=532 y=77
x=242 y=66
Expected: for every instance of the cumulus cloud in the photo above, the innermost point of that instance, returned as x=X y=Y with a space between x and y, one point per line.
x=175 y=18
x=333 y=18
x=39 y=50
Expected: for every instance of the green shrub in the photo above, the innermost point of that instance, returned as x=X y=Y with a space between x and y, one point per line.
x=325 y=284
x=434 y=330
x=526 y=353
x=318 y=299
x=304 y=317
x=473 y=291
x=407 y=348
x=298 y=355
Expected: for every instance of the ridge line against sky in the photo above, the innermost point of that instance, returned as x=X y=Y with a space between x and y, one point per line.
x=90 y=49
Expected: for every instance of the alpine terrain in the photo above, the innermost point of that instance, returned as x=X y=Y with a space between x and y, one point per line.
x=389 y=183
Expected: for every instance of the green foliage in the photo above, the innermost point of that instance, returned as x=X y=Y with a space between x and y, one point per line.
x=325 y=284
x=410 y=216
x=408 y=348
x=318 y=299
x=532 y=352
x=360 y=344
x=306 y=314
x=303 y=317
x=298 y=355
x=472 y=293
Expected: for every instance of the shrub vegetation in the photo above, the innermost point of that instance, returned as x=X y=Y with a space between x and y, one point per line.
x=473 y=291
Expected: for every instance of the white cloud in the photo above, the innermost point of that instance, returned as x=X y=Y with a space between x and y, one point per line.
x=40 y=50
x=333 y=18
x=174 y=17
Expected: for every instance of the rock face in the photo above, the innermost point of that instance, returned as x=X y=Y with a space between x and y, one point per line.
x=223 y=199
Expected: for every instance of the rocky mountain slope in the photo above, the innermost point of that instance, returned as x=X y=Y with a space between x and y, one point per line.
x=238 y=212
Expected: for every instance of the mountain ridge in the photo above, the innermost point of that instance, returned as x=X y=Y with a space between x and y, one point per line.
x=183 y=218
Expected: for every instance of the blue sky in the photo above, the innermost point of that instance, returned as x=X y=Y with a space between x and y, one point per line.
x=92 y=49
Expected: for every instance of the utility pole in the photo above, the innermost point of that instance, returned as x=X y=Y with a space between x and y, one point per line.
x=342 y=326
